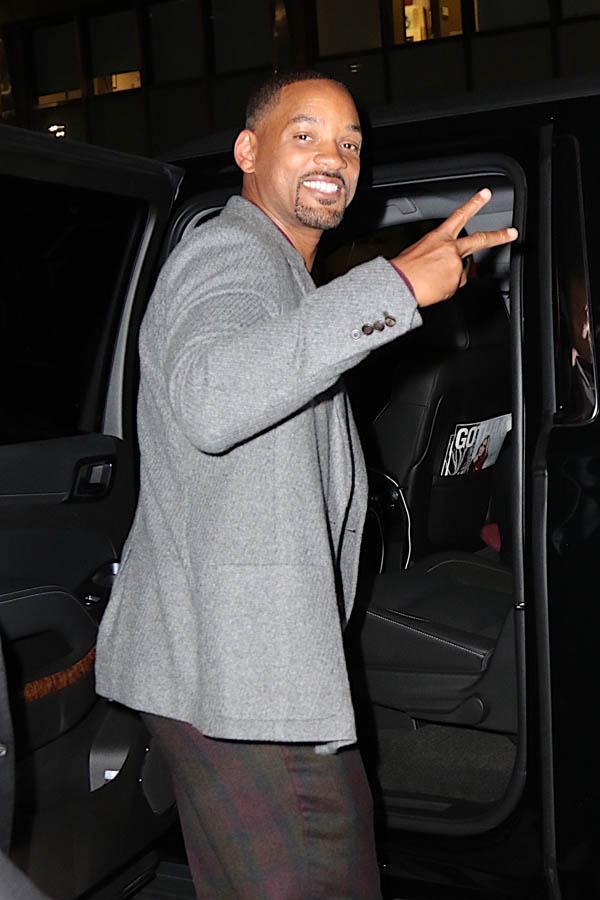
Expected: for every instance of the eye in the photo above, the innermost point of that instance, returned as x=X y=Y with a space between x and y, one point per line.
x=303 y=136
x=350 y=145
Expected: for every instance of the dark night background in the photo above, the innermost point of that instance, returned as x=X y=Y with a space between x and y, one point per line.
x=146 y=76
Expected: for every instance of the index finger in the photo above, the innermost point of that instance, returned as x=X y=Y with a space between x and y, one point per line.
x=457 y=220
x=480 y=239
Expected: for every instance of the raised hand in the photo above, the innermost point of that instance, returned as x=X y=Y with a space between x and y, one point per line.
x=435 y=264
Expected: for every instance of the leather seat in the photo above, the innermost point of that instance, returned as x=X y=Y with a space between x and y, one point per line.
x=438 y=639
x=411 y=401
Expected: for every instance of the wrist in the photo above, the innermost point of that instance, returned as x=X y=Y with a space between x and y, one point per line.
x=404 y=278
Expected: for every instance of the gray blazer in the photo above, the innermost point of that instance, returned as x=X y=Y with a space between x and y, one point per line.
x=241 y=563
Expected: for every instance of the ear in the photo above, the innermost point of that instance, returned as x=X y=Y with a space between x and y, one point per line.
x=244 y=150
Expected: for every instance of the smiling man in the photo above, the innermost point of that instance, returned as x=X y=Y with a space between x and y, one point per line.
x=225 y=624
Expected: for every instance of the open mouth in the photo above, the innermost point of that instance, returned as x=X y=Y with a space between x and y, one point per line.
x=323 y=187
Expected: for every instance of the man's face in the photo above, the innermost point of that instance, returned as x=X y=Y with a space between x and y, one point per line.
x=307 y=155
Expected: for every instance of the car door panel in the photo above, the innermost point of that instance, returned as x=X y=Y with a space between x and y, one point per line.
x=80 y=242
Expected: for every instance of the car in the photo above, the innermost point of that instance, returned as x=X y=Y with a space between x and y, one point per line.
x=471 y=649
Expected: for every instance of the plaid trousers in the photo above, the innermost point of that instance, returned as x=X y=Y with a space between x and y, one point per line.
x=271 y=821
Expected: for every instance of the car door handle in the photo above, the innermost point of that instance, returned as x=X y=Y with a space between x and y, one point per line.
x=93 y=479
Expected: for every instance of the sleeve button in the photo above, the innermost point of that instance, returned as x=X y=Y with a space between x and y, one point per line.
x=367 y=329
x=356 y=334
x=378 y=326
x=389 y=320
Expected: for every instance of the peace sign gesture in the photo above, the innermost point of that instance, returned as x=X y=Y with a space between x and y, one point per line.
x=434 y=265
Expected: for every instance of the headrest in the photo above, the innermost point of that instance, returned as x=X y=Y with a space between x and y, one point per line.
x=475 y=317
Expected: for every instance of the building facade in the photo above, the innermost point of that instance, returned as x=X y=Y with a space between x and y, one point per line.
x=146 y=76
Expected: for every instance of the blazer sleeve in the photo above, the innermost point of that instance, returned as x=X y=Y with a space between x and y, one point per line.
x=238 y=360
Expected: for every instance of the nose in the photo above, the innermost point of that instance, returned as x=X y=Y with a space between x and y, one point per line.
x=329 y=156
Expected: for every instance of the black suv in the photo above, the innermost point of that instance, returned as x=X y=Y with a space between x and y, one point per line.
x=471 y=647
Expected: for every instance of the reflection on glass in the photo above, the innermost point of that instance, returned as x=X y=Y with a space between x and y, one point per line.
x=422 y=20
x=123 y=81
x=6 y=99
x=574 y=357
x=581 y=395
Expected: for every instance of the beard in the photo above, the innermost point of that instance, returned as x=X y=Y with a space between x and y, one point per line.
x=328 y=214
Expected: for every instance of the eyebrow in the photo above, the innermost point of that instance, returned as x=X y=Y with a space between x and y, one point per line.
x=352 y=126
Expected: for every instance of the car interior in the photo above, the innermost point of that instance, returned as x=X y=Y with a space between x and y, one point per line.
x=435 y=645
x=432 y=644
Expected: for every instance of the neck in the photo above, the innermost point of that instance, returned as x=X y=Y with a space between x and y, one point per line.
x=304 y=239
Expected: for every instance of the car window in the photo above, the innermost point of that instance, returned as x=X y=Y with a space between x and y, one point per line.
x=337 y=257
x=576 y=383
x=369 y=383
x=65 y=254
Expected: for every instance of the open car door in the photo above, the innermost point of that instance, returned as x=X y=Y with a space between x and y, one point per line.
x=81 y=229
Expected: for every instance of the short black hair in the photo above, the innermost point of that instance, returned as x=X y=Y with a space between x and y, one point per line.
x=264 y=98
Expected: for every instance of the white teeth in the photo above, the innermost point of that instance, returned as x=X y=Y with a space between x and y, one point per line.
x=325 y=186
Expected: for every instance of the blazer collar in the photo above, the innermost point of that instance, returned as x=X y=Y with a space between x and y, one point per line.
x=254 y=216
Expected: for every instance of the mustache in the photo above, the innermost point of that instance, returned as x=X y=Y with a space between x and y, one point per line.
x=323 y=173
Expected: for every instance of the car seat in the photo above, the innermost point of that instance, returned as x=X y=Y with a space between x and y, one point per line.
x=425 y=407
x=438 y=639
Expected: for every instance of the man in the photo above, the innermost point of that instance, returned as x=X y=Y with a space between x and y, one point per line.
x=239 y=573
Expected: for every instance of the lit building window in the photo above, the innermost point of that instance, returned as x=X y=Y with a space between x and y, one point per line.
x=56 y=64
x=423 y=20
x=58 y=97
x=124 y=81
x=115 y=51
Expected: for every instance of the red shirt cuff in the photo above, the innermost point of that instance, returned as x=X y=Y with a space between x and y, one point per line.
x=403 y=277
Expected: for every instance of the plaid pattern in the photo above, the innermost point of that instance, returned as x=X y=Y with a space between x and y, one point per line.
x=266 y=821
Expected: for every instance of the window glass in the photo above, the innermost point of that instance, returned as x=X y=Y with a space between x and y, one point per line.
x=339 y=251
x=430 y=70
x=64 y=255
x=120 y=122
x=115 y=52
x=177 y=40
x=344 y=27
x=576 y=393
x=243 y=34
x=578 y=44
x=364 y=76
x=580 y=7
x=526 y=55
x=230 y=95
x=421 y=20
x=171 y=124
x=508 y=13
x=56 y=62
x=6 y=98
